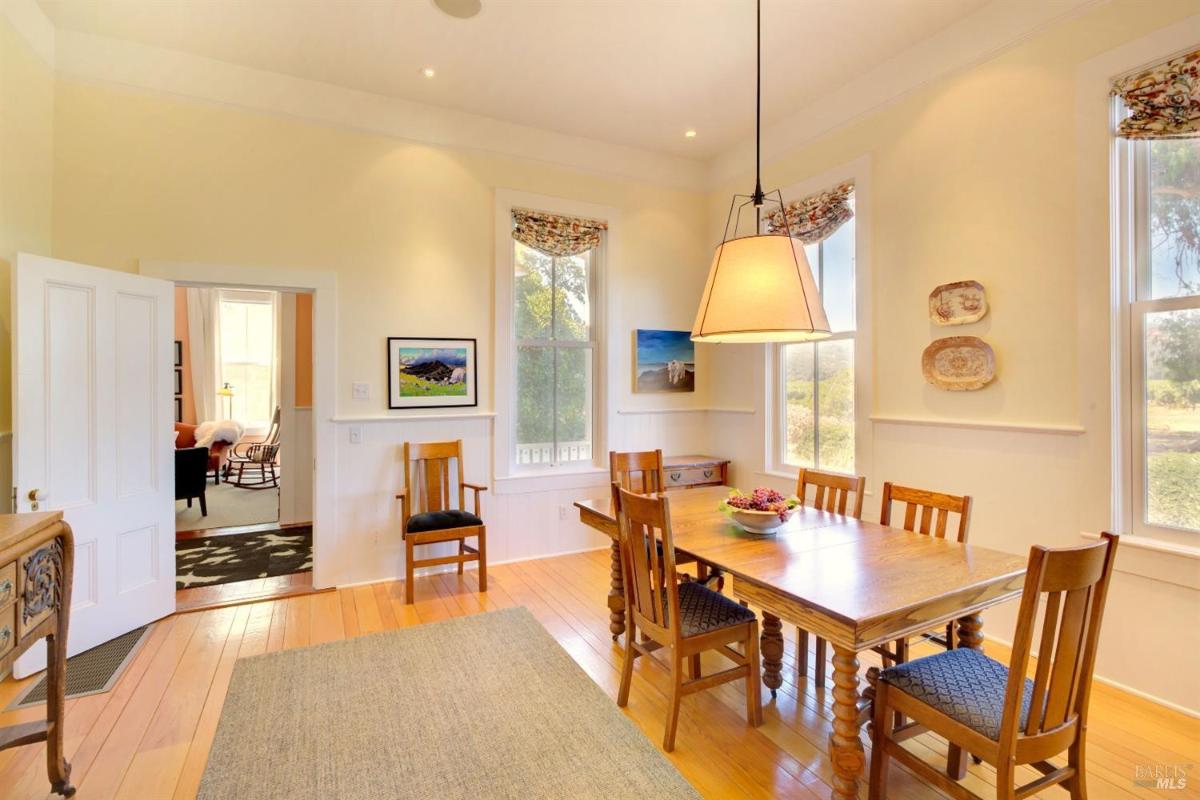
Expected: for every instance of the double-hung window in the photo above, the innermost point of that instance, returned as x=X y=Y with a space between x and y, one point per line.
x=816 y=413
x=554 y=338
x=1162 y=295
x=248 y=350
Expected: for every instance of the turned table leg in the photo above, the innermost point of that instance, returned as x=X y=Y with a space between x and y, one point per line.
x=845 y=746
x=771 y=648
x=616 y=593
x=970 y=634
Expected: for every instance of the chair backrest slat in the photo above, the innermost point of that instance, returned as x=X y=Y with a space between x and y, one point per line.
x=925 y=502
x=648 y=555
x=1075 y=583
x=831 y=492
x=640 y=472
x=427 y=474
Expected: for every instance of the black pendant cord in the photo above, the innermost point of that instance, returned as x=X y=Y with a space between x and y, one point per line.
x=758 y=196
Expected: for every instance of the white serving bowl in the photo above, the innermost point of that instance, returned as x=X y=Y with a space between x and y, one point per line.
x=762 y=522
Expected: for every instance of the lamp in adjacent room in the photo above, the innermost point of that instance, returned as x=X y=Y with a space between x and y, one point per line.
x=226 y=391
x=760 y=287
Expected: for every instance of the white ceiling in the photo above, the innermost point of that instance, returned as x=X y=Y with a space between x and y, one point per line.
x=633 y=72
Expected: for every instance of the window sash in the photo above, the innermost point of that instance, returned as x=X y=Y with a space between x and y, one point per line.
x=782 y=456
x=594 y=260
x=1135 y=283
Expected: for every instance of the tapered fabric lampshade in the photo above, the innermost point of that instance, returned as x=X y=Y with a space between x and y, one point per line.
x=760 y=289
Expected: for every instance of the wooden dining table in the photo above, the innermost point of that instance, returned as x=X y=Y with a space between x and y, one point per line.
x=857 y=584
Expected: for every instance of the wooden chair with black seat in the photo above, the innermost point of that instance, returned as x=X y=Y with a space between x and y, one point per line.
x=642 y=472
x=830 y=492
x=996 y=712
x=427 y=491
x=688 y=618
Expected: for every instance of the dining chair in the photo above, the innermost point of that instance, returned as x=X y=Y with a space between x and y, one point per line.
x=932 y=511
x=642 y=472
x=994 y=711
x=689 y=618
x=831 y=492
x=427 y=491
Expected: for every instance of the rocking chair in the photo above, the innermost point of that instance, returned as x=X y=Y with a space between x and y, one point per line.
x=254 y=462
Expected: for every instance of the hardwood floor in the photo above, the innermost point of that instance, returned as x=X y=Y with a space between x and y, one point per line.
x=149 y=737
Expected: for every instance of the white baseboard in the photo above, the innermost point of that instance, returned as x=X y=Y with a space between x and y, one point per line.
x=474 y=565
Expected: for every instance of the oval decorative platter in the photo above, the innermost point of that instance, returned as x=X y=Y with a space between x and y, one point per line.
x=959 y=363
x=957 y=303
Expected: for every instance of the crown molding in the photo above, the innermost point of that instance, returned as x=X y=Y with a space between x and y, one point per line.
x=105 y=60
x=31 y=24
x=972 y=40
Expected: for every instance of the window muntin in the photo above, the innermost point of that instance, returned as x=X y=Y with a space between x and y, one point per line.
x=817 y=386
x=1164 y=335
x=554 y=330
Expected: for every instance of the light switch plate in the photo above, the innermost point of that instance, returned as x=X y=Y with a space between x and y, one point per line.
x=356 y=434
x=360 y=390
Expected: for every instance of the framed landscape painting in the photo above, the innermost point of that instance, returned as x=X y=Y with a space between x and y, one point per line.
x=431 y=373
x=664 y=361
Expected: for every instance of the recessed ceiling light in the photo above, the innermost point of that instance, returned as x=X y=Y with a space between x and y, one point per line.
x=690 y=134
x=428 y=72
x=460 y=9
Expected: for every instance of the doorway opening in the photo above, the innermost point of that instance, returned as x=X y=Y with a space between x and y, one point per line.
x=244 y=434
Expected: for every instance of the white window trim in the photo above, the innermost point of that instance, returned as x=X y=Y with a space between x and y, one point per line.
x=503 y=465
x=1130 y=183
x=859 y=172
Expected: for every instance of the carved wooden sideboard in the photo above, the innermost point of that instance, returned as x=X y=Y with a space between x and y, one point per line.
x=37 y=559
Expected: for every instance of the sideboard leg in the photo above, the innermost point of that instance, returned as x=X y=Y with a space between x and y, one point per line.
x=56 y=763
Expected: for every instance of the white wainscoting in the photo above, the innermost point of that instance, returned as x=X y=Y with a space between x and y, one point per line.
x=527 y=520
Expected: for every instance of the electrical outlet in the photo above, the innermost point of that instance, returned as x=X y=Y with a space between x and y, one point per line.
x=360 y=390
x=356 y=434
x=562 y=512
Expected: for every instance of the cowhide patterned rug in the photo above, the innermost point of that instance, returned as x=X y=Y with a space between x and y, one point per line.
x=242 y=556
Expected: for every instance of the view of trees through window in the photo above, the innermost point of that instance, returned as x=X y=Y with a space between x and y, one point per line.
x=1172 y=336
x=552 y=313
x=818 y=377
x=247 y=328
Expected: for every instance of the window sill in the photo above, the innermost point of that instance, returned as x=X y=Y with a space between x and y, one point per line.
x=552 y=480
x=1156 y=560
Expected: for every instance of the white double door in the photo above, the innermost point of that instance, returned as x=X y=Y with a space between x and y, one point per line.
x=93 y=436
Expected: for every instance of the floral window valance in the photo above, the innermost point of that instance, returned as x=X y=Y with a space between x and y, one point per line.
x=815 y=217
x=556 y=235
x=1164 y=100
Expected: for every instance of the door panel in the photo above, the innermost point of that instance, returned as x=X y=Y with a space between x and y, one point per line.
x=92 y=429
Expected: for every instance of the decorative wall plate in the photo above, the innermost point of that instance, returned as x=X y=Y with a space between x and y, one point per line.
x=957 y=303
x=959 y=363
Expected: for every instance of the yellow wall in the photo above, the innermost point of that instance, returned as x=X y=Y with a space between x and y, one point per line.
x=974 y=177
x=26 y=167
x=409 y=228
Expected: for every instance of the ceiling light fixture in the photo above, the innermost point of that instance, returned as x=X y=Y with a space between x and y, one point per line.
x=459 y=9
x=690 y=134
x=428 y=72
x=760 y=287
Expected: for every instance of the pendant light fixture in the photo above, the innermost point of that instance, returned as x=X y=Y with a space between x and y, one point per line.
x=760 y=287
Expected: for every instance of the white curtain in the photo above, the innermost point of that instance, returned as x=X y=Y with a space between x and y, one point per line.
x=204 y=337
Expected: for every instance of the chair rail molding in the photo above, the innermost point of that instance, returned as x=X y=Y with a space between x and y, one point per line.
x=981 y=424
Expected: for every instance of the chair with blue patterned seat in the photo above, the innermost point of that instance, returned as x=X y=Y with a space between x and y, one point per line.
x=994 y=711
x=688 y=618
x=427 y=490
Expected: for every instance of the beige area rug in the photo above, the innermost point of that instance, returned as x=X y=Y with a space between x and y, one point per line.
x=228 y=506
x=485 y=706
